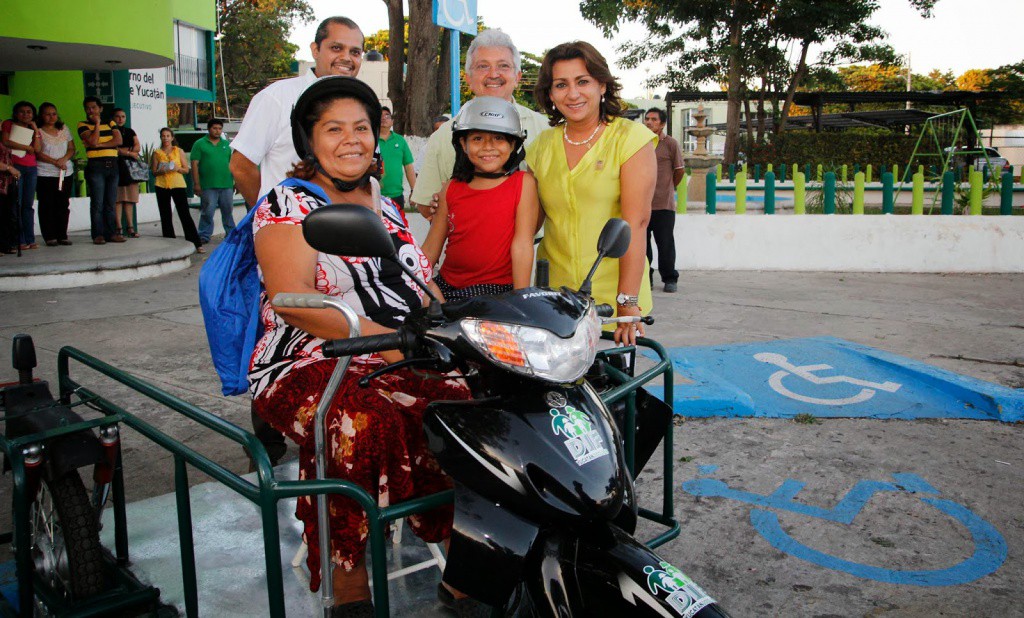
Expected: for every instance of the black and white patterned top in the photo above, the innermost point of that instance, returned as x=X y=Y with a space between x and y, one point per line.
x=376 y=289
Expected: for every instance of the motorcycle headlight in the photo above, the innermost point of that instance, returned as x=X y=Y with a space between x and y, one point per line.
x=537 y=352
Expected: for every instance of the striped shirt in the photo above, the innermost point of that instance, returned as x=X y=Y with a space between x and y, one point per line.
x=106 y=135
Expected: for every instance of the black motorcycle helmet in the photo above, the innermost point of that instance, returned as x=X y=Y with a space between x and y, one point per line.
x=325 y=90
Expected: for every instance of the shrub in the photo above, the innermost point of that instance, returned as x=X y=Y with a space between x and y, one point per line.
x=856 y=146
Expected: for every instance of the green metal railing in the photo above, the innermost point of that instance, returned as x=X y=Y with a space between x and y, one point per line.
x=267 y=491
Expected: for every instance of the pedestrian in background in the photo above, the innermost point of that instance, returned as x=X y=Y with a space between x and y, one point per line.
x=397 y=157
x=127 y=187
x=170 y=167
x=9 y=176
x=211 y=174
x=663 y=208
x=101 y=140
x=53 y=187
x=21 y=135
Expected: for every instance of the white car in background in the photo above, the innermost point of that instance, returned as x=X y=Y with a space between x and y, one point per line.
x=961 y=159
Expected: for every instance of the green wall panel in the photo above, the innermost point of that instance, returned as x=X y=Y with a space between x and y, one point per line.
x=133 y=25
x=62 y=88
x=200 y=13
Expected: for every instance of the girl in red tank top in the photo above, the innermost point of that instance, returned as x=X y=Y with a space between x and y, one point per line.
x=486 y=218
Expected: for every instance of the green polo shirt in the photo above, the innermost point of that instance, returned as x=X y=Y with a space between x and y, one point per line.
x=214 y=161
x=396 y=154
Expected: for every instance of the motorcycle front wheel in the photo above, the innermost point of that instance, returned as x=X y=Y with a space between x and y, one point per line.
x=65 y=538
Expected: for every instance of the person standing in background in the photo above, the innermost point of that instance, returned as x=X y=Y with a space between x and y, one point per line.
x=101 y=176
x=127 y=187
x=263 y=152
x=54 y=184
x=397 y=157
x=9 y=175
x=24 y=145
x=170 y=167
x=211 y=174
x=663 y=207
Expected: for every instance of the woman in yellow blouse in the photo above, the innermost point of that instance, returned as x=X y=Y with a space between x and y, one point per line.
x=169 y=166
x=593 y=165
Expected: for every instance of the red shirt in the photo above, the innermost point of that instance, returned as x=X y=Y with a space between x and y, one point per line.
x=481 y=225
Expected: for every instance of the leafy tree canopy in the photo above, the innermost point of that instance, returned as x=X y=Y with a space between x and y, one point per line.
x=255 y=44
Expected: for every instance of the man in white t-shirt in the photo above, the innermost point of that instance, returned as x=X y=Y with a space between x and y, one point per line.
x=263 y=150
x=493 y=69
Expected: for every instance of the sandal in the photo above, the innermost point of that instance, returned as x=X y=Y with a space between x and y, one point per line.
x=133 y=234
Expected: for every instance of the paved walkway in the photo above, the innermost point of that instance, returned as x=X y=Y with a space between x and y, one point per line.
x=971 y=324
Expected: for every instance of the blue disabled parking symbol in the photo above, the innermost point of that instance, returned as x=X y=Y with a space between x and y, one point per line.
x=829 y=377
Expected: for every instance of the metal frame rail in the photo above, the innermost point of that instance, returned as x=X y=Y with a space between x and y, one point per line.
x=268 y=490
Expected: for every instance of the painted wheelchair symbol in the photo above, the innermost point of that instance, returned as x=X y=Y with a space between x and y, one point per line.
x=990 y=548
x=807 y=373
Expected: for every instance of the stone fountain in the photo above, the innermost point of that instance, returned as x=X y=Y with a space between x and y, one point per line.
x=699 y=161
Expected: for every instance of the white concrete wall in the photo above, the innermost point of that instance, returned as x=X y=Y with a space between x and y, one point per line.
x=870 y=243
x=146 y=211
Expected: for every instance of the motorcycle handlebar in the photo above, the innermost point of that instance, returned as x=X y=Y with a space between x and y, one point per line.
x=362 y=345
x=605 y=311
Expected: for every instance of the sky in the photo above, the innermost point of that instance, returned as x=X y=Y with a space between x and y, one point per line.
x=961 y=35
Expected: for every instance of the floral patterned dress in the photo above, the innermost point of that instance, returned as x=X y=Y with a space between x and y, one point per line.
x=375 y=434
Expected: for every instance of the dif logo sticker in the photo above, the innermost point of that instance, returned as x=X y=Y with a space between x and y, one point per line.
x=686 y=597
x=583 y=442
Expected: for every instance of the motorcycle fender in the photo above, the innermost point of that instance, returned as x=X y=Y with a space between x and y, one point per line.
x=488 y=549
x=577 y=578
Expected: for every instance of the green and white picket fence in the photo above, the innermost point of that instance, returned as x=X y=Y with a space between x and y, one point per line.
x=942 y=189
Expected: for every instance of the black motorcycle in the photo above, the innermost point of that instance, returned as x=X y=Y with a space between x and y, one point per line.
x=544 y=503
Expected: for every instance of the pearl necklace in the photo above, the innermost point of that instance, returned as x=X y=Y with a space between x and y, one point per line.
x=565 y=135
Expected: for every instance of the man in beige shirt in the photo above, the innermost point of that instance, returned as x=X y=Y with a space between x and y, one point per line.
x=493 y=69
x=663 y=206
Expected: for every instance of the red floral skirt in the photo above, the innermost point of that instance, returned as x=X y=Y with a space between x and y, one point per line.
x=374 y=438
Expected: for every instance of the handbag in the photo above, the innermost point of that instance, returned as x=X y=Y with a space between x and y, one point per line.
x=137 y=170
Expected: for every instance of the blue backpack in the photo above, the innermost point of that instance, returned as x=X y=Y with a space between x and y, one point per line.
x=229 y=296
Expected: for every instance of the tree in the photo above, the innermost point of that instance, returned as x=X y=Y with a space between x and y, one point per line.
x=974 y=80
x=255 y=45
x=733 y=41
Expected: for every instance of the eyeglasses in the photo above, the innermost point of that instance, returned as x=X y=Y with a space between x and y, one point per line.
x=502 y=67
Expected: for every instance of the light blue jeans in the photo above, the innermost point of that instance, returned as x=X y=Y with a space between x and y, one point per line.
x=211 y=200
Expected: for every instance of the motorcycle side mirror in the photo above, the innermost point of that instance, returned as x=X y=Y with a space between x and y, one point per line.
x=613 y=242
x=614 y=239
x=350 y=229
x=347 y=229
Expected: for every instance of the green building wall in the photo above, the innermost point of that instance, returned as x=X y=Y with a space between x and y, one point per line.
x=126 y=25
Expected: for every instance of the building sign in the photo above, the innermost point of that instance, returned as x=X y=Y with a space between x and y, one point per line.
x=99 y=84
x=147 y=102
x=456 y=14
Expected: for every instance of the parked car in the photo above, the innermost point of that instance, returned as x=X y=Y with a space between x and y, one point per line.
x=970 y=156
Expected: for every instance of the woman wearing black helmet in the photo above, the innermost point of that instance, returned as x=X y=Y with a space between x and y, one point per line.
x=375 y=433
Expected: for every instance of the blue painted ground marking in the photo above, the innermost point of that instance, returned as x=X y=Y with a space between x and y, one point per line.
x=990 y=548
x=706 y=469
x=829 y=377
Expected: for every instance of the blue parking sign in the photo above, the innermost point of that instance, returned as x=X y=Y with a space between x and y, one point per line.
x=456 y=14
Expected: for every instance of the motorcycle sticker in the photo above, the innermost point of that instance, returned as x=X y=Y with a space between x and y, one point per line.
x=583 y=441
x=685 y=596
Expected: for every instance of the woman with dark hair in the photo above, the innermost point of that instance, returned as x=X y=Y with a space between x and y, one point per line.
x=592 y=165
x=170 y=168
x=22 y=137
x=127 y=187
x=54 y=185
x=375 y=434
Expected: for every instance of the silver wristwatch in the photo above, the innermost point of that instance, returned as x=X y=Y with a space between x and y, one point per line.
x=625 y=300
